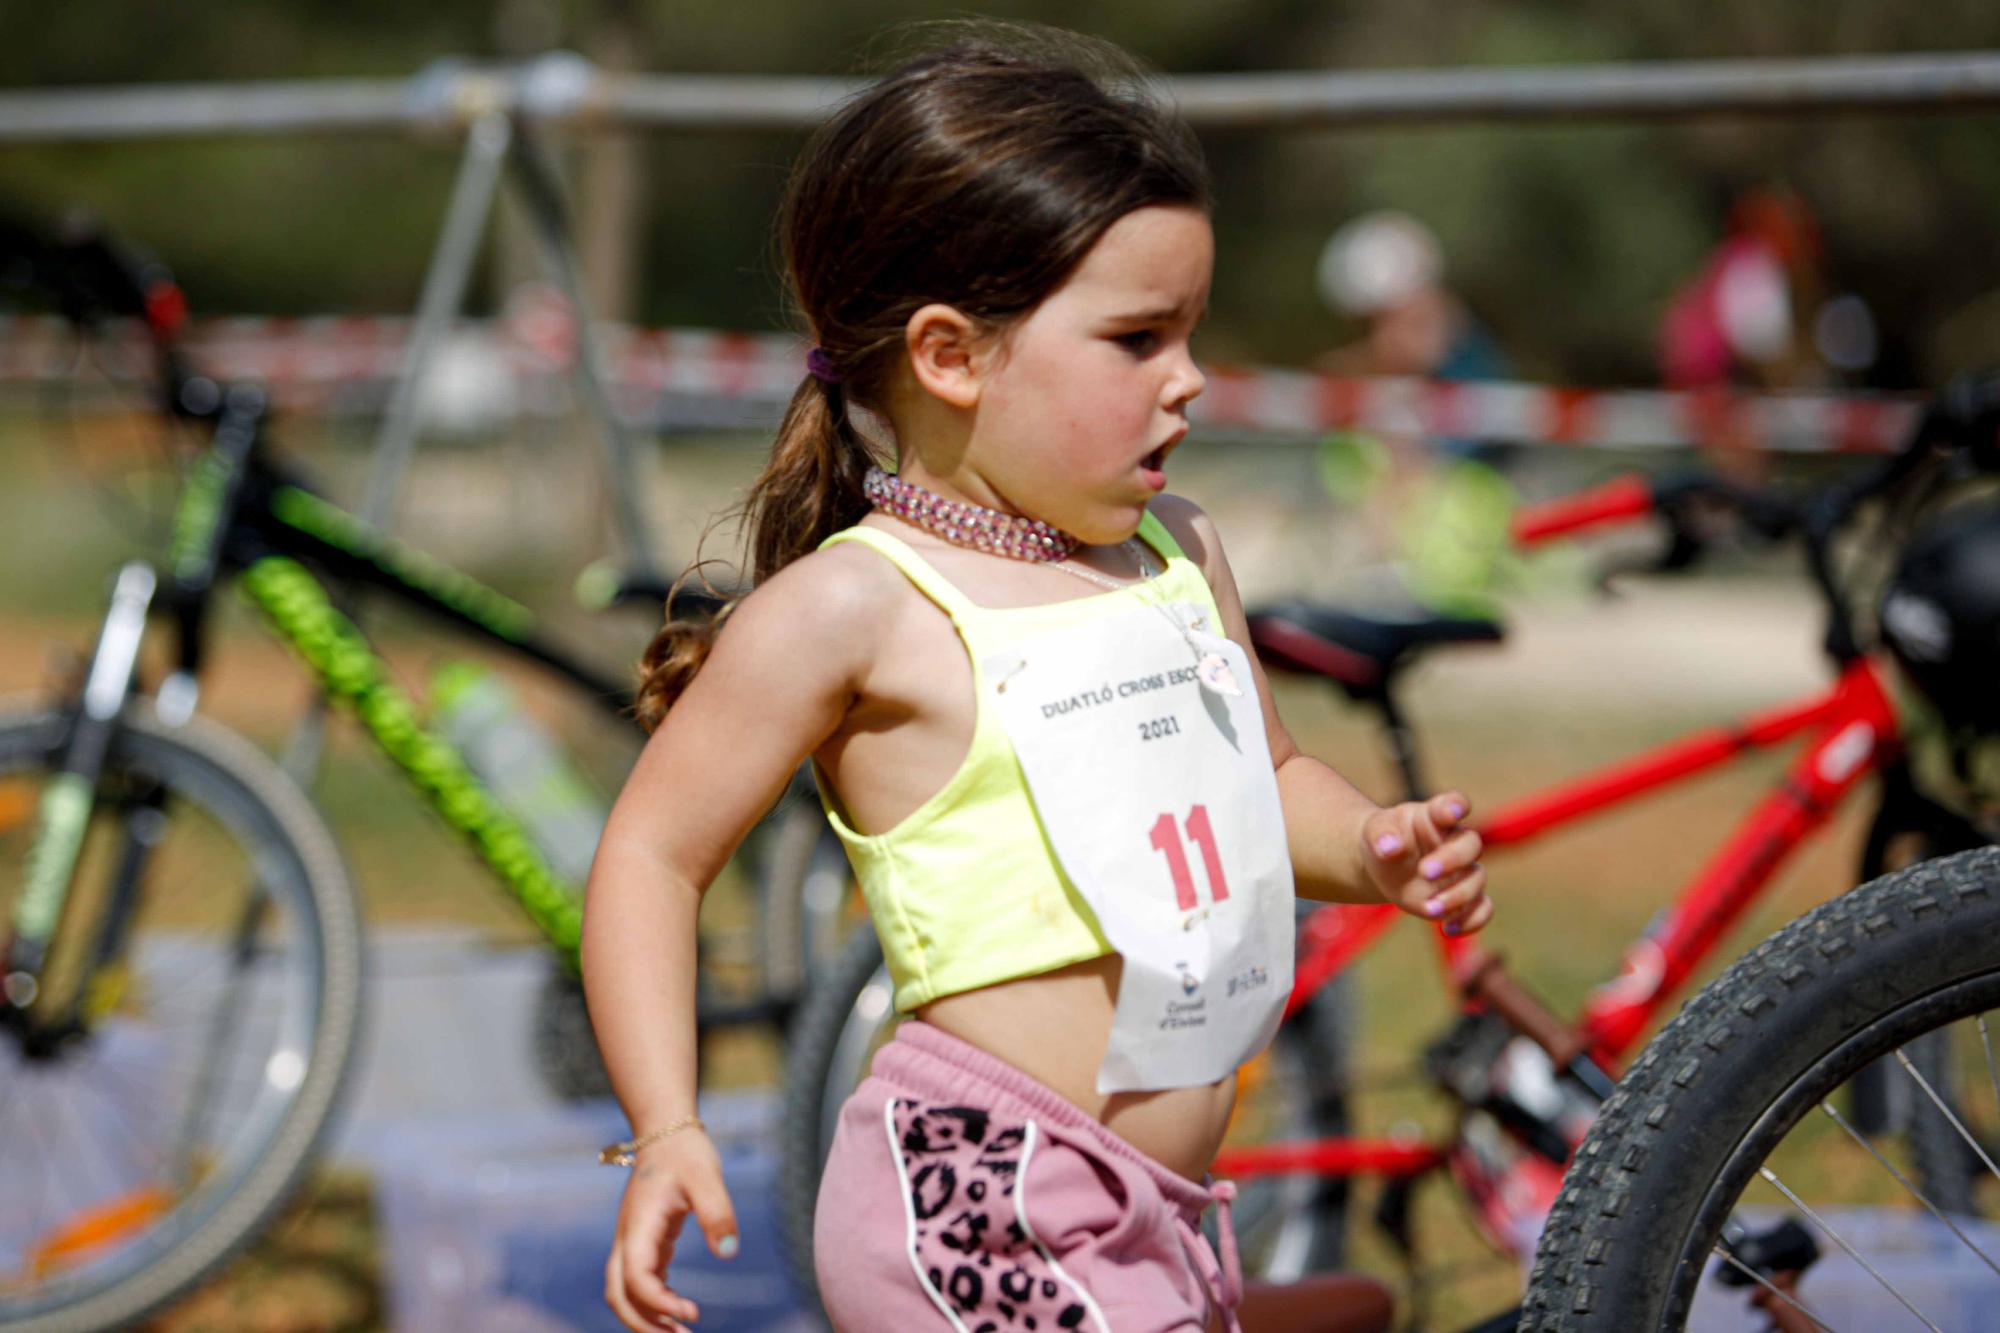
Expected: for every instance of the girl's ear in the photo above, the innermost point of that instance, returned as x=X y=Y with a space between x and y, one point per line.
x=944 y=347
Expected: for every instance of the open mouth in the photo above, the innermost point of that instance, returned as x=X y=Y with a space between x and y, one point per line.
x=1155 y=461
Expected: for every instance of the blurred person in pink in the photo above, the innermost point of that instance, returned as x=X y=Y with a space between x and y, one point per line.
x=1758 y=315
x=1739 y=319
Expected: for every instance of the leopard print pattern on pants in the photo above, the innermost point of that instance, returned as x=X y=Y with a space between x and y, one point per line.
x=962 y=1169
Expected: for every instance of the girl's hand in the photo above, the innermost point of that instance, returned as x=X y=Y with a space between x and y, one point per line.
x=676 y=1176
x=1420 y=857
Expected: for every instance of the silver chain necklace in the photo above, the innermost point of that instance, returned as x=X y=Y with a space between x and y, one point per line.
x=1211 y=669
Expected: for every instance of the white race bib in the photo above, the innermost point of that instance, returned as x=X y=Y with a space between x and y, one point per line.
x=1159 y=799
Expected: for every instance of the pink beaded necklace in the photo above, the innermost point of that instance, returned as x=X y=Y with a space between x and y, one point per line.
x=1025 y=538
x=966 y=524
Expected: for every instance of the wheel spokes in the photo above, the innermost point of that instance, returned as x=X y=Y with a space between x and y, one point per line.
x=1908 y=1184
x=1771 y=1178
x=1947 y=1113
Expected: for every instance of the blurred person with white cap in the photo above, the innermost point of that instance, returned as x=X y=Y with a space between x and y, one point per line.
x=1445 y=525
x=1386 y=269
x=1759 y=315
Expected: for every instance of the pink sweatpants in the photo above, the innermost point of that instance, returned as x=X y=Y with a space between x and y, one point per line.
x=963 y=1195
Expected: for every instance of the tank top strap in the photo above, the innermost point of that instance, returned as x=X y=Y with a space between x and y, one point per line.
x=913 y=566
x=1154 y=533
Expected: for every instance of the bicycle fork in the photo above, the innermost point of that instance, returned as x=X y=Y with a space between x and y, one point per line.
x=62 y=819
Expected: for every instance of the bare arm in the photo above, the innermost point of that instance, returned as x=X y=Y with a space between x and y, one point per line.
x=777 y=683
x=1344 y=847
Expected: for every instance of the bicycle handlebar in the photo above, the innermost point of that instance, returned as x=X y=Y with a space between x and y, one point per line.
x=84 y=278
x=1965 y=414
x=1963 y=418
x=1615 y=501
x=1672 y=499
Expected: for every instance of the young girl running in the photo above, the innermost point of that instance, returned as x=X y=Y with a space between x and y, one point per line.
x=1021 y=671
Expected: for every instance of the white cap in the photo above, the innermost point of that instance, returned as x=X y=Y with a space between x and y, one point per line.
x=1376 y=261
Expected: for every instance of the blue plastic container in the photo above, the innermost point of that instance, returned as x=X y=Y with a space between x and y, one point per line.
x=1911 y=1249
x=503 y=1223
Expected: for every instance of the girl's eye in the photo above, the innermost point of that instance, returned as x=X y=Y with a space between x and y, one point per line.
x=1141 y=341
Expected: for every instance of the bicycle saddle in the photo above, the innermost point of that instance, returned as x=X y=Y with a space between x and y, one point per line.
x=1785 y=1246
x=1357 y=650
x=603 y=586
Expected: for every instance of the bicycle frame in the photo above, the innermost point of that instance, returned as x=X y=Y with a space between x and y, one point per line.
x=300 y=530
x=1853 y=732
x=239 y=513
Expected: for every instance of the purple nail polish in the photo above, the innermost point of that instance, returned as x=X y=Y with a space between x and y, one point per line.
x=1431 y=869
x=1457 y=810
x=1451 y=928
x=1435 y=907
x=1388 y=845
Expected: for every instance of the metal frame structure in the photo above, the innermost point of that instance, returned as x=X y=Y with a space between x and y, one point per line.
x=565 y=91
x=499 y=138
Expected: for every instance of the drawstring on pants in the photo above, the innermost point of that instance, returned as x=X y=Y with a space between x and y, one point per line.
x=1224 y=1194
x=1227 y=1266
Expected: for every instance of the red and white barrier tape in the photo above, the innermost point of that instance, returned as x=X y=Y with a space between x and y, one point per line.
x=1295 y=402
x=309 y=363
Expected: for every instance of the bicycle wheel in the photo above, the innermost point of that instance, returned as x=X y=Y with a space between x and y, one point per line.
x=1290 y=1226
x=1908 y=828
x=137 y=1155
x=848 y=1013
x=1286 y=1226
x=1730 y=1124
x=798 y=878
x=804 y=892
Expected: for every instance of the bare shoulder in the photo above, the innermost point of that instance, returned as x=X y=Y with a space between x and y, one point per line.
x=833 y=603
x=1190 y=525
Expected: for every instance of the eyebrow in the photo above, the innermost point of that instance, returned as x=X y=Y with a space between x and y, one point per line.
x=1160 y=312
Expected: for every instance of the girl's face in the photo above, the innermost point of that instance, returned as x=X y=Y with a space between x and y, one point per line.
x=1086 y=396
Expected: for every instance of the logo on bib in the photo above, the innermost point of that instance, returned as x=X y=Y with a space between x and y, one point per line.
x=1252 y=978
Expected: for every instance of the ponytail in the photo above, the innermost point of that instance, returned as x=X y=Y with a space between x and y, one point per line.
x=671 y=659
x=810 y=489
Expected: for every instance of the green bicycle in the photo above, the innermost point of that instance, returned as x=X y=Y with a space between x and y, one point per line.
x=180 y=987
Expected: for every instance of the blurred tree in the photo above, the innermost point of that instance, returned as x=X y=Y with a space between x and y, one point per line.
x=1567 y=240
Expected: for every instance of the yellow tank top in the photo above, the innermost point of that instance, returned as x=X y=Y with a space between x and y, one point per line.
x=965 y=891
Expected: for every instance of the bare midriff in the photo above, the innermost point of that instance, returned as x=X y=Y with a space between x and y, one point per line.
x=907 y=734
x=1053 y=1027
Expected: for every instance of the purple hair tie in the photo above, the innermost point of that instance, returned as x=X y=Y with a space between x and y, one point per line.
x=820 y=368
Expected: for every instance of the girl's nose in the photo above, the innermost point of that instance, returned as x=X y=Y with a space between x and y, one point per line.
x=1188 y=381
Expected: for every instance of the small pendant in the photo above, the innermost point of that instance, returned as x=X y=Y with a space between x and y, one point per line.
x=1215 y=675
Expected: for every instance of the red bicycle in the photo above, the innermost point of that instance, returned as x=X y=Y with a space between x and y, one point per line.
x=1526 y=1081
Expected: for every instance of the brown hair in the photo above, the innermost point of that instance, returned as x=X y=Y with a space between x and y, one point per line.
x=979 y=175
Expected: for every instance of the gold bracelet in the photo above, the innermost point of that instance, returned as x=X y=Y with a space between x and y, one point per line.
x=624 y=1154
